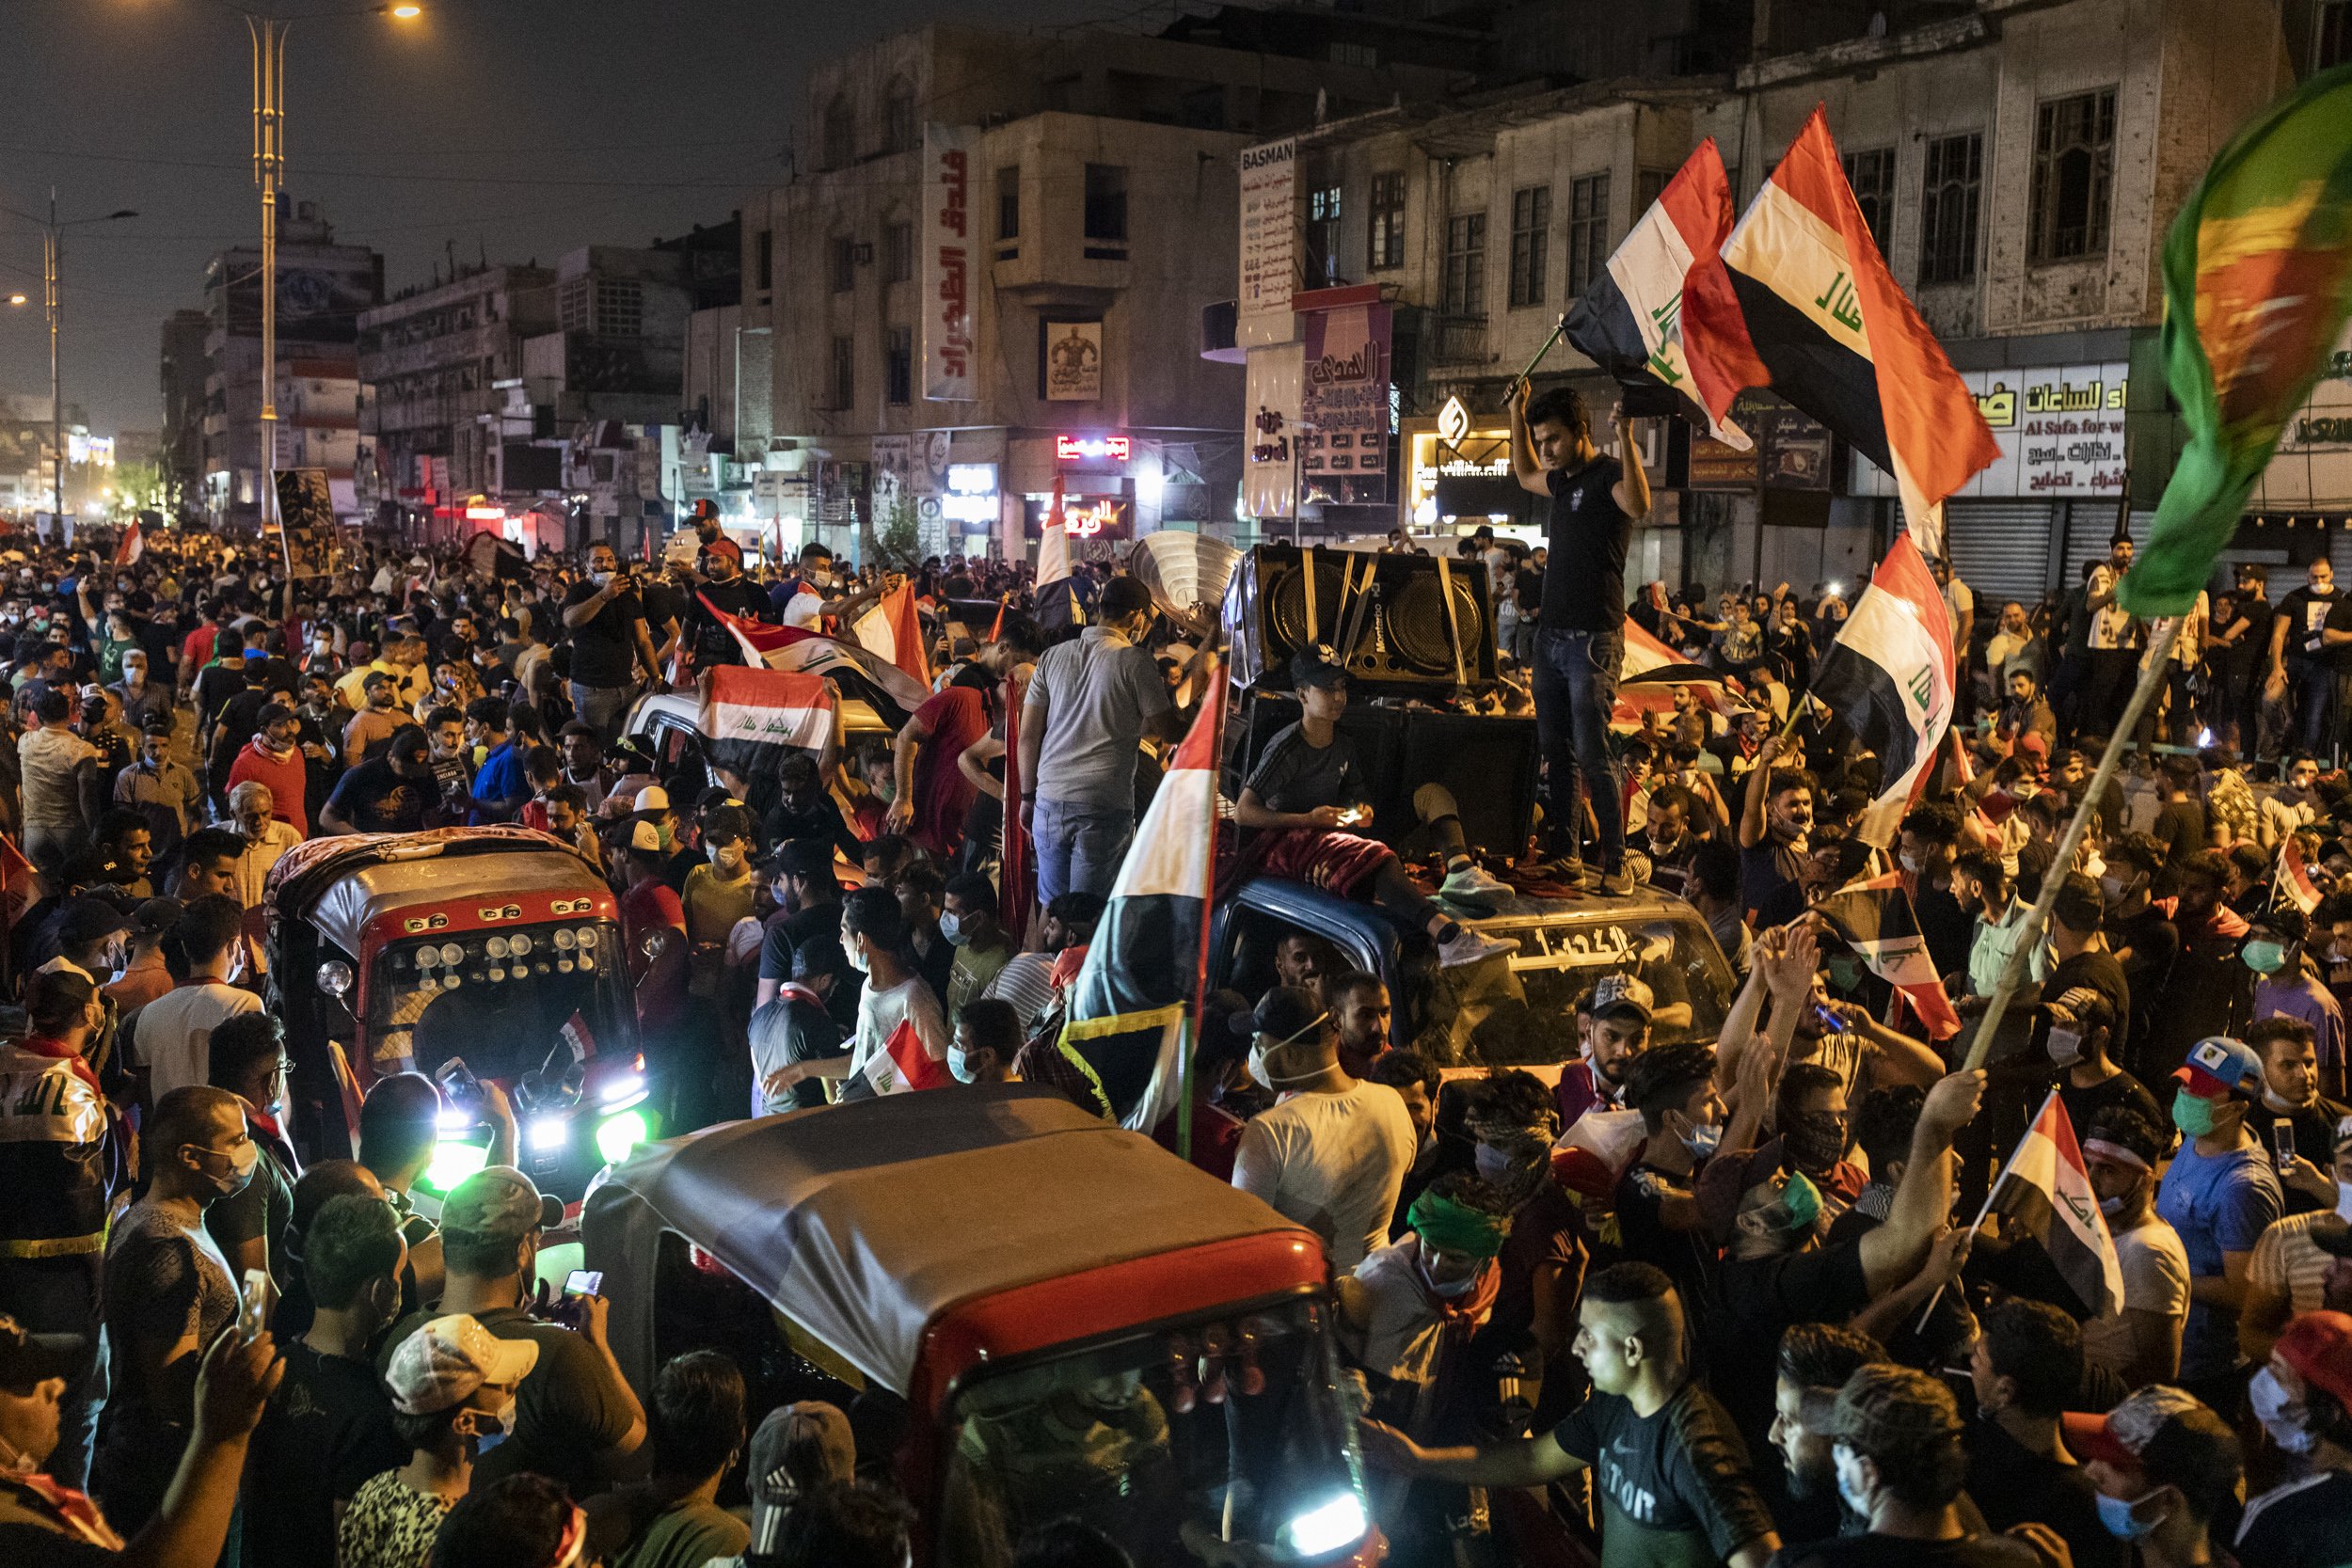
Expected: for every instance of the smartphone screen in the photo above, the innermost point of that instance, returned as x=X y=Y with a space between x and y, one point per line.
x=2283 y=1142
x=583 y=1282
x=249 y=1309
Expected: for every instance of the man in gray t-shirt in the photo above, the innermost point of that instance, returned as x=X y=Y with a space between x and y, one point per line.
x=1088 y=707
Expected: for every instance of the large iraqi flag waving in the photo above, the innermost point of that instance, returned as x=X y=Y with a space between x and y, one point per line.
x=1836 y=335
x=1889 y=679
x=858 y=671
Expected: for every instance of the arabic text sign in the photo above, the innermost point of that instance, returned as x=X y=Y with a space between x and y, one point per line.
x=1269 y=242
x=1345 y=401
x=2313 y=466
x=2060 y=429
x=947 y=271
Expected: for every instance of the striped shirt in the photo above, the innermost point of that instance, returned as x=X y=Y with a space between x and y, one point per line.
x=2286 y=1260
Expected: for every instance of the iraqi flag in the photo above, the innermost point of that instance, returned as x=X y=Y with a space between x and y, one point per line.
x=893 y=632
x=1876 y=919
x=1652 y=671
x=2044 y=1192
x=2291 y=881
x=904 y=1063
x=131 y=546
x=1889 y=679
x=1630 y=322
x=1056 y=596
x=750 y=715
x=856 y=670
x=1838 y=338
x=1142 y=971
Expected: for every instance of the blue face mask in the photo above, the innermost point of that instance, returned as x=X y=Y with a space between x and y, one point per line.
x=1852 y=1495
x=1703 y=1141
x=2120 y=1518
x=2264 y=957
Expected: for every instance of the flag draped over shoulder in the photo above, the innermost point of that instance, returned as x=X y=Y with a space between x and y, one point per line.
x=1839 y=339
x=1127 y=1006
x=857 y=671
x=1878 y=922
x=1889 y=678
x=750 y=715
x=2045 y=1193
x=2257 y=282
x=1630 y=322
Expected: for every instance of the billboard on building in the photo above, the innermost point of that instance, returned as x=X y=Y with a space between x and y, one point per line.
x=2313 y=466
x=1269 y=243
x=1270 y=441
x=1344 y=400
x=947 y=271
x=1069 y=360
x=2060 y=427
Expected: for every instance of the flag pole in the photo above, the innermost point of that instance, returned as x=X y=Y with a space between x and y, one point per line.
x=1528 y=374
x=2152 y=679
x=1213 y=682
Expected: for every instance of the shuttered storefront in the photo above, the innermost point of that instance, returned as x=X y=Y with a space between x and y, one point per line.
x=2001 y=549
x=2089 y=528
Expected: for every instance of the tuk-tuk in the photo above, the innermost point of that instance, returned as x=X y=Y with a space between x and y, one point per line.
x=498 y=947
x=1037 y=1314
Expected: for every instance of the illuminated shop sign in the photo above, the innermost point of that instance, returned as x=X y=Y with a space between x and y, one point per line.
x=1071 y=449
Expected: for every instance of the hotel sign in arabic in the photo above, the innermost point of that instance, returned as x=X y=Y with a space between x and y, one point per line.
x=2061 y=431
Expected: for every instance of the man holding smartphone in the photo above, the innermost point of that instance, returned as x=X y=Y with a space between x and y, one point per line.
x=2293 y=1119
x=607 y=620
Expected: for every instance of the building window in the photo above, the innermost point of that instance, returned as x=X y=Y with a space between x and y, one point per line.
x=1949 y=188
x=1008 y=202
x=1387 y=234
x=1363 y=54
x=1323 y=236
x=1648 y=186
x=1531 y=244
x=1466 y=265
x=764 y=259
x=844 y=388
x=1106 y=202
x=2074 y=163
x=899 y=365
x=899 y=130
x=897 y=252
x=840 y=133
x=620 y=307
x=2332 y=34
x=1871 y=173
x=574 y=304
x=844 y=263
x=1588 y=231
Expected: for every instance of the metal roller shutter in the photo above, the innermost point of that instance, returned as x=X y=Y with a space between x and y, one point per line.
x=2001 y=549
x=2089 y=525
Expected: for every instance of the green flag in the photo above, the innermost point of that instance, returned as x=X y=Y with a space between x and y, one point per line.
x=2257 y=282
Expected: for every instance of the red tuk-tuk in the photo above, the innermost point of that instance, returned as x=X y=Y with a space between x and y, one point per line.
x=498 y=946
x=1038 y=1314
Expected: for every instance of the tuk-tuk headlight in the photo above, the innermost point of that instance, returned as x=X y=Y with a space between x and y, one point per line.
x=616 y=1135
x=452 y=953
x=587 y=938
x=565 y=941
x=452 y=1164
x=335 y=978
x=549 y=1134
x=495 y=948
x=1327 y=1526
x=518 y=945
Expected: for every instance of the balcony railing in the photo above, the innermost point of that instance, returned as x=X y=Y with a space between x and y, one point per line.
x=1457 y=340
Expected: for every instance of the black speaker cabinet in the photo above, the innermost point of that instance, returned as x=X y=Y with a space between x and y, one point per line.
x=1488 y=764
x=1384 y=616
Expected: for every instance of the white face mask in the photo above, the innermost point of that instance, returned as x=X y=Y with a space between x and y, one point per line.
x=951 y=928
x=958 y=1065
x=2344 y=1200
x=2281 y=1415
x=2065 y=1046
x=856 y=952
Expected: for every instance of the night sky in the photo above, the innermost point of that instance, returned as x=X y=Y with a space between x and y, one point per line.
x=522 y=128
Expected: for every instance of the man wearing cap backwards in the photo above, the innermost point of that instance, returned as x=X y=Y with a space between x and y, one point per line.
x=576 y=1418
x=2218 y=1194
x=2303 y=1398
x=799 y=1450
x=452 y=1386
x=45 y=1520
x=2166 y=1468
x=1670 y=1473
x=1332 y=1154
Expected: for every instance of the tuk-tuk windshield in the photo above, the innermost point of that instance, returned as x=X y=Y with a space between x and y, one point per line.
x=500 y=999
x=1521 y=1009
x=1227 y=1429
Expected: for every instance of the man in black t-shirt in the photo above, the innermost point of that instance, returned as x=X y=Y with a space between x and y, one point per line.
x=607 y=622
x=2311 y=643
x=1580 y=637
x=1670 y=1473
x=724 y=587
x=2025 y=1366
x=388 y=794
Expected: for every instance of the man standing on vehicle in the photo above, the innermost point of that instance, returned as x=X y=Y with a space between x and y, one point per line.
x=607 y=621
x=1580 y=639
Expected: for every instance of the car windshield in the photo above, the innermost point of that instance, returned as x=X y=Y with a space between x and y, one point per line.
x=1522 y=1011
x=1171 y=1442
x=500 y=999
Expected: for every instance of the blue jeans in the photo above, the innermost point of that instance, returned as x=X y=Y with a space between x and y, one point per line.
x=1576 y=689
x=1079 y=847
x=602 y=708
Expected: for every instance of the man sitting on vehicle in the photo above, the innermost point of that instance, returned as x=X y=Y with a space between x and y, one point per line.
x=1308 y=785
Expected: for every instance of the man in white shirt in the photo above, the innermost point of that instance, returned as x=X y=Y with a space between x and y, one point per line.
x=2141 y=1344
x=171 y=1037
x=266 y=838
x=1333 y=1154
x=815 y=600
x=57 y=766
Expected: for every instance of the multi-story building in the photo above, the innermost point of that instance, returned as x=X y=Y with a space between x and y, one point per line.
x=323 y=288
x=183 y=375
x=2018 y=161
x=1093 y=215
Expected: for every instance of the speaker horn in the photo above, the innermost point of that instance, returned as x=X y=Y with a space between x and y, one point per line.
x=1187 y=573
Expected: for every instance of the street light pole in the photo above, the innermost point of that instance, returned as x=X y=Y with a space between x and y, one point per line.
x=269 y=167
x=51 y=245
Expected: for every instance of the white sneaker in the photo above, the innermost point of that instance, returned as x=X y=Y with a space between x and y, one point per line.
x=1618 y=882
x=1474 y=884
x=1472 y=947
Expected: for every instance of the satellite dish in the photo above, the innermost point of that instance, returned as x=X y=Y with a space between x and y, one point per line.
x=1186 y=574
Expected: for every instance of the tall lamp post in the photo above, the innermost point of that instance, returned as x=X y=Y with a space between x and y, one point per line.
x=52 y=259
x=268 y=34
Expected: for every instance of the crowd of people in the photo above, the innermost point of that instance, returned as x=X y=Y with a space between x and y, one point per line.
x=1701 y=1300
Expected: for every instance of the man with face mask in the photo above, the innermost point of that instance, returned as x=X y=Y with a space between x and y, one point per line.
x=330 y=1426
x=1674 y=1089
x=2218 y=1192
x=1670 y=1473
x=609 y=643
x=2167 y=1467
x=574 y=1418
x=2303 y=1397
x=273 y=758
x=1333 y=1154
x=168 y=1294
x=815 y=594
x=2287 y=984
x=248 y=1059
x=2078 y=1041
x=2311 y=638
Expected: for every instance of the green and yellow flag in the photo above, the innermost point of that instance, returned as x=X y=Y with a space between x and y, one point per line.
x=2258 y=279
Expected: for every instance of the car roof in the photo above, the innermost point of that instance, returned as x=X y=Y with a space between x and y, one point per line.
x=863 y=1222
x=340 y=883
x=1298 y=901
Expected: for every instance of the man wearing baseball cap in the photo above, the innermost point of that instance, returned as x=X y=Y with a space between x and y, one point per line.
x=2165 y=1466
x=2303 y=1398
x=452 y=1386
x=1613 y=1024
x=725 y=589
x=2218 y=1194
x=576 y=1417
